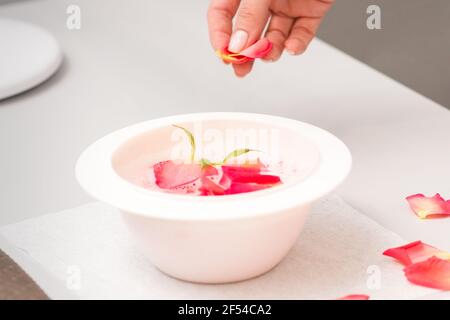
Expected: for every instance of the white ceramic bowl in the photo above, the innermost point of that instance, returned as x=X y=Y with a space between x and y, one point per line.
x=214 y=239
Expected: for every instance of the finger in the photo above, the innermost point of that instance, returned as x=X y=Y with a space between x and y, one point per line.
x=302 y=32
x=313 y=8
x=220 y=17
x=304 y=8
x=251 y=20
x=241 y=70
x=277 y=33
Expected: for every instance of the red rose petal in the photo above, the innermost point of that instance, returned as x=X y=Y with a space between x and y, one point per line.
x=258 y=178
x=247 y=178
x=210 y=188
x=231 y=57
x=432 y=273
x=258 y=50
x=429 y=207
x=355 y=297
x=238 y=171
x=413 y=252
x=209 y=170
x=169 y=174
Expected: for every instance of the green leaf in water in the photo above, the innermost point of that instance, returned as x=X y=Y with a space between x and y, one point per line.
x=236 y=153
x=191 y=140
x=205 y=162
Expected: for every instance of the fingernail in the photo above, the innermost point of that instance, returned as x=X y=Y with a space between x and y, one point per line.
x=238 y=41
x=291 y=52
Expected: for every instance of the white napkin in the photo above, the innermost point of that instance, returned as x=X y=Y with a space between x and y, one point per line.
x=90 y=252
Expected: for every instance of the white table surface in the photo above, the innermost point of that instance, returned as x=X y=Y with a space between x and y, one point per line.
x=139 y=60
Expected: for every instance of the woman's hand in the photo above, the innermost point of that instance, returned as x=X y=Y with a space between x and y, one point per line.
x=292 y=24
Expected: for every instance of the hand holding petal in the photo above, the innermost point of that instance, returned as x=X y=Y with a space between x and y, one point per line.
x=258 y=50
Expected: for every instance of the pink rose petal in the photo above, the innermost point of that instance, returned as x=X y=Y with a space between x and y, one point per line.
x=169 y=175
x=425 y=265
x=258 y=178
x=431 y=273
x=413 y=252
x=429 y=207
x=209 y=170
x=208 y=180
x=258 y=50
x=210 y=188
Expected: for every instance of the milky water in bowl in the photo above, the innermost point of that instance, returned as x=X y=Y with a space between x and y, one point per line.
x=285 y=153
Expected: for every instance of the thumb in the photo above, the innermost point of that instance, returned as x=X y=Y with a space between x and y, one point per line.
x=251 y=20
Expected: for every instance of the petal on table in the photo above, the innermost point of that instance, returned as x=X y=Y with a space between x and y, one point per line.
x=169 y=174
x=355 y=297
x=432 y=273
x=413 y=252
x=429 y=207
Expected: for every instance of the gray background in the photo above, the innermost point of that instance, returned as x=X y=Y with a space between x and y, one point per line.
x=412 y=47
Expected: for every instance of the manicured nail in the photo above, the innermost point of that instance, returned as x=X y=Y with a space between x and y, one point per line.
x=291 y=52
x=238 y=41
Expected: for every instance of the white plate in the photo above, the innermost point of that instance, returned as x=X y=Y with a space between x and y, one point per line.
x=29 y=55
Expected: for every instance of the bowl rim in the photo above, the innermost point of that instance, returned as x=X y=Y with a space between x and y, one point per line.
x=96 y=175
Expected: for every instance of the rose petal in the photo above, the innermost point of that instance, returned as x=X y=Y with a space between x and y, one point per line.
x=258 y=178
x=249 y=173
x=209 y=170
x=210 y=188
x=413 y=252
x=169 y=174
x=258 y=50
x=355 y=297
x=443 y=255
x=429 y=207
x=432 y=273
x=234 y=58
x=247 y=178
x=225 y=181
x=243 y=170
